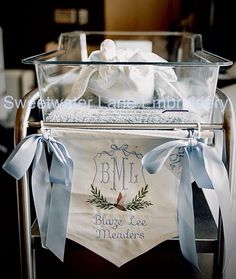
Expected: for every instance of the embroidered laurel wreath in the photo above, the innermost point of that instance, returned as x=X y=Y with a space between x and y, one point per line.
x=137 y=202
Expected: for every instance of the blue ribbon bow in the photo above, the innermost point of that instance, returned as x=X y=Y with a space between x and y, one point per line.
x=202 y=163
x=51 y=189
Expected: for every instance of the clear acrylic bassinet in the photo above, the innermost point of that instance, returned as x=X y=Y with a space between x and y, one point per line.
x=153 y=77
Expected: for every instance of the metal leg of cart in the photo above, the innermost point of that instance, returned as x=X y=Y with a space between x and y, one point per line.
x=23 y=192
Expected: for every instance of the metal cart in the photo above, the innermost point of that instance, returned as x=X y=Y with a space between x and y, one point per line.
x=36 y=260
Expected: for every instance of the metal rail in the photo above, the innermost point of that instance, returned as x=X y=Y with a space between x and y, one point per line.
x=115 y=126
x=23 y=192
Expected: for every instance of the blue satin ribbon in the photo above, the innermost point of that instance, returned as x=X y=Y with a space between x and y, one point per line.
x=51 y=188
x=203 y=164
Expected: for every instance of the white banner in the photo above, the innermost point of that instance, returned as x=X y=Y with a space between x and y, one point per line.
x=117 y=209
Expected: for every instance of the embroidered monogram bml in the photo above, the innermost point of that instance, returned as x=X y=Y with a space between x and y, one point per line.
x=119 y=169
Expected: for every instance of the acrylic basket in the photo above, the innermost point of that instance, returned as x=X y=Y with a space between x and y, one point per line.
x=180 y=87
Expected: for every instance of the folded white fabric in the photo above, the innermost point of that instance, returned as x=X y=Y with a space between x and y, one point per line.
x=136 y=82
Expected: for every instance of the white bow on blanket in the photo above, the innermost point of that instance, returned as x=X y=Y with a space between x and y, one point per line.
x=128 y=82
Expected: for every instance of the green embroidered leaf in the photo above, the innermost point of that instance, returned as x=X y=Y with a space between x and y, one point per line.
x=138 y=202
x=99 y=199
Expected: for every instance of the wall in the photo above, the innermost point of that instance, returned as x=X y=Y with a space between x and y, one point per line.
x=141 y=15
x=28 y=26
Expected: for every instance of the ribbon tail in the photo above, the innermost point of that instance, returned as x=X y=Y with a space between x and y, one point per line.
x=185 y=214
x=217 y=173
x=58 y=219
x=41 y=189
x=198 y=168
x=59 y=209
x=59 y=170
